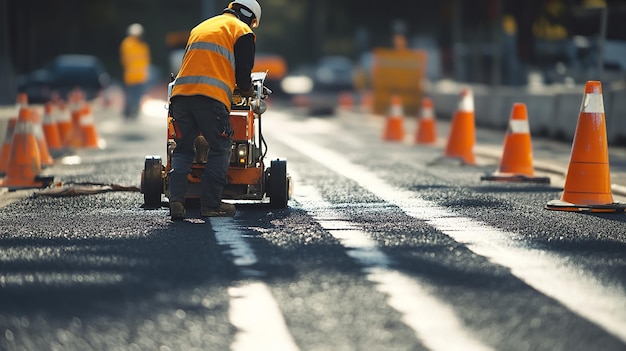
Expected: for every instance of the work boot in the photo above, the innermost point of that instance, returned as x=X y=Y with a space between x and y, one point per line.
x=224 y=210
x=177 y=210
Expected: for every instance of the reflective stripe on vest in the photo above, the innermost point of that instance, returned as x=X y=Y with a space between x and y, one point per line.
x=205 y=80
x=215 y=48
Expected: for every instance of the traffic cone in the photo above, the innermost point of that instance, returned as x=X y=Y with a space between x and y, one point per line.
x=427 y=126
x=516 y=163
x=44 y=152
x=75 y=139
x=462 y=132
x=6 y=145
x=345 y=100
x=588 y=180
x=88 y=128
x=63 y=117
x=21 y=100
x=24 y=168
x=51 y=129
x=394 y=128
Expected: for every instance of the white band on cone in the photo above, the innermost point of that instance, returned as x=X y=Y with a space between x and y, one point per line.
x=467 y=101
x=592 y=103
x=519 y=126
x=427 y=113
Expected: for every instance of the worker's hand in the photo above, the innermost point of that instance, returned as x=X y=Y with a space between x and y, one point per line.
x=248 y=93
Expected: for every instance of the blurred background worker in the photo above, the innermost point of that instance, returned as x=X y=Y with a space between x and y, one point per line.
x=219 y=56
x=135 y=59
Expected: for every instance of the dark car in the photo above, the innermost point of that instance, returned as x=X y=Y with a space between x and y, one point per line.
x=63 y=74
x=318 y=87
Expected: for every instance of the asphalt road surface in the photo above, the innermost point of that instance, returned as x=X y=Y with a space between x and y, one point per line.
x=380 y=248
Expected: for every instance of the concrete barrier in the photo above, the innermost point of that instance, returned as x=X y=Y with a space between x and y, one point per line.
x=566 y=117
x=615 y=111
x=541 y=110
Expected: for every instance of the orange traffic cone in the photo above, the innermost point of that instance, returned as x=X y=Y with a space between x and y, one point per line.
x=44 y=152
x=6 y=145
x=22 y=100
x=394 y=129
x=426 y=127
x=588 y=181
x=63 y=117
x=516 y=163
x=51 y=129
x=345 y=100
x=462 y=132
x=24 y=166
x=88 y=128
x=76 y=102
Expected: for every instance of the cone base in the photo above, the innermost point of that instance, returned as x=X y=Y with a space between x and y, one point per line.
x=558 y=205
x=510 y=177
x=38 y=182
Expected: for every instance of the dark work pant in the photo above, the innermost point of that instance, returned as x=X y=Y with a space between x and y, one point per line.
x=132 y=103
x=194 y=115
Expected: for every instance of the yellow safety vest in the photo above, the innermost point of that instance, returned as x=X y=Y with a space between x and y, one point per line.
x=208 y=67
x=135 y=58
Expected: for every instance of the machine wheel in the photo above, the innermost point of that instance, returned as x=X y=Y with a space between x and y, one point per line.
x=152 y=182
x=278 y=184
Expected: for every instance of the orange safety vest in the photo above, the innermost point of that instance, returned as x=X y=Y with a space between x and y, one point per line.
x=135 y=58
x=208 y=67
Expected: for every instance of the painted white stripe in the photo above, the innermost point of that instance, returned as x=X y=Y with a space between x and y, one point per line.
x=548 y=273
x=592 y=103
x=443 y=332
x=259 y=321
x=519 y=126
x=253 y=309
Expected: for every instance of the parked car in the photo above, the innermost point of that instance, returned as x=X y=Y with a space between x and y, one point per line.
x=63 y=74
x=318 y=87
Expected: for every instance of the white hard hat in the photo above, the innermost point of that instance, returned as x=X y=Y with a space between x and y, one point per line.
x=135 y=29
x=253 y=6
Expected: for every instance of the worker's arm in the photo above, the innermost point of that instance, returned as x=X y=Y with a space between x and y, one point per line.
x=244 y=61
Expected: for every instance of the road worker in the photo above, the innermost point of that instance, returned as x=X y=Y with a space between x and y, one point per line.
x=219 y=57
x=135 y=60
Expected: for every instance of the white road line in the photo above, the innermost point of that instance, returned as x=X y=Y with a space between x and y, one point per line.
x=548 y=273
x=253 y=309
x=443 y=332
